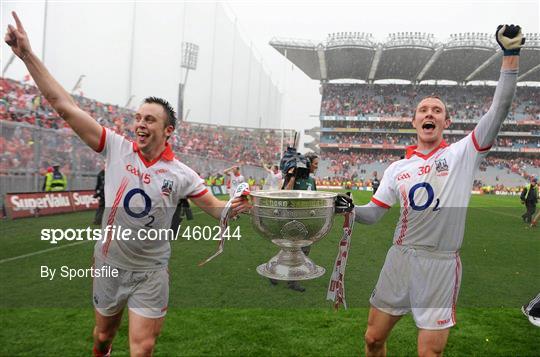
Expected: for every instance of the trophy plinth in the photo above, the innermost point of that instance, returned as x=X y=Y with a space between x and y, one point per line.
x=292 y=220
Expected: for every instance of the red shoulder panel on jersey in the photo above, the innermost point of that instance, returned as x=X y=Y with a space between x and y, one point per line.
x=102 y=139
x=379 y=203
x=200 y=194
x=477 y=146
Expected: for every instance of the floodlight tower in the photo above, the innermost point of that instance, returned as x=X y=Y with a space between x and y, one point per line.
x=190 y=53
x=8 y=63
x=128 y=103
x=78 y=84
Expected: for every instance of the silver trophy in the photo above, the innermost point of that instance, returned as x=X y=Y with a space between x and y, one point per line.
x=292 y=220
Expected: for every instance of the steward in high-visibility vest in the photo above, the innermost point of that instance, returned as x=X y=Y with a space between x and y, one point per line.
x=251 y=181
x=55 y=181
x=529 y=197
x=220 y=180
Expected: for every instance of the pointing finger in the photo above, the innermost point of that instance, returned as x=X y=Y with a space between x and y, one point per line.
x=18 y=22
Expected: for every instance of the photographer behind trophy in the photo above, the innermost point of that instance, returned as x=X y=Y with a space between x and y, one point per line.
x=298 y=177
x=297 y=169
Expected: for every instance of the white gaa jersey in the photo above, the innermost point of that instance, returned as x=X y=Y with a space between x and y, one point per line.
x=433 y=191
x=140 y=195
x=274 y=181
x=235 y=181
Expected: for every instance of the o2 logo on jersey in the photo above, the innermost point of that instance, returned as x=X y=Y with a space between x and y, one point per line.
x=147 y=205
x=430 y=197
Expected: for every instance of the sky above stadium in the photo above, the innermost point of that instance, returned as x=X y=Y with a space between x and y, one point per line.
x=257 y=22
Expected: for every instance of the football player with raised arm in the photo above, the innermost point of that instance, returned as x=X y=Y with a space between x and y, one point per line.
x=235 y=178
x=143 y=185
x=422 y=270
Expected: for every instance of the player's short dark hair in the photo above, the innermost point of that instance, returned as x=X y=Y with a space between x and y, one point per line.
x=171 y=115
x=447 y=114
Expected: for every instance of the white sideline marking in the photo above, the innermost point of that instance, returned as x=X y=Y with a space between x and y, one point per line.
x=54 y=248
x=42 y=251
x=497 y=212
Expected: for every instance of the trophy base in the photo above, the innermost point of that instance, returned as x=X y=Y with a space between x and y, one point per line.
x=290 y=265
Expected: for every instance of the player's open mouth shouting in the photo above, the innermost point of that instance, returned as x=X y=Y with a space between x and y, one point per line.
x=141 y=137
x=428 y=127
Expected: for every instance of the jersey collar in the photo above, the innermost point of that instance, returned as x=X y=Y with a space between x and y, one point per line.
x=167 y=155
x=411 y=150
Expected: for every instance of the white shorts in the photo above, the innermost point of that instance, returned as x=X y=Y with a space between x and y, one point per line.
x=422 y=282
x=145 y=293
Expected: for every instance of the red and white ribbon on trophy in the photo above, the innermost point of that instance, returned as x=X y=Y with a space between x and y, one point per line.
x=241 y=190
x=336 y=287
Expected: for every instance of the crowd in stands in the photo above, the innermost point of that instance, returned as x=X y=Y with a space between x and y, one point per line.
x=464 y=102
x=518 y=142
x=517 y=165
x=16 y=149
x=391 y=126
x=480 y=186
x=345 y=164
x=365 y=138
x=248 y=146
x=347 y=182
x=21 y=102
x=19 y=151
x=366 y=181
x=410 y=139
x=348 y=165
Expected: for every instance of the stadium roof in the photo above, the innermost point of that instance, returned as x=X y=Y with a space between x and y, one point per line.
x=411 y=56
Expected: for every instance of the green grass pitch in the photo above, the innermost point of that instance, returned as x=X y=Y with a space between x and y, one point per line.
x=226 y=308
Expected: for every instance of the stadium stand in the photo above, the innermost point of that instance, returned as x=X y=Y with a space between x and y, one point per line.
x=376 y=119
x=365 y=119
x=364 y=126
x=465 y=102
x=33 y=136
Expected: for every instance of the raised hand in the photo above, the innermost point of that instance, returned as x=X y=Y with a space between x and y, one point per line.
x=510 y=38
x=17 y=38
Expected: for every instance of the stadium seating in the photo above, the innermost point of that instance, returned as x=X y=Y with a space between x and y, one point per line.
x=365 y=127
x=21 y=103
x=464 y=102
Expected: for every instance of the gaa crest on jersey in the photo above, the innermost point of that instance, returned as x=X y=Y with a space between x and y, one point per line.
x=167 y=187
x=441 y=166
